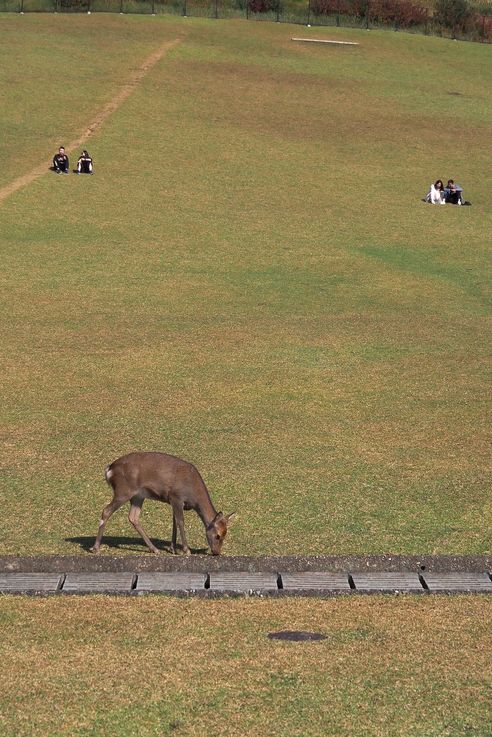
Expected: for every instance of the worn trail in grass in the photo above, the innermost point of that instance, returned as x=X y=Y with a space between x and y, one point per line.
x=98 y=120
x=249 y=281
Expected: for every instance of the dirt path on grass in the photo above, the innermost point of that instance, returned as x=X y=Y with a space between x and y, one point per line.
x=98 y=120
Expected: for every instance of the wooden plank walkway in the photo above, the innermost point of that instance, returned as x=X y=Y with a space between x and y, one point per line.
x=458 y=582
x=316 y=581
x=388 y=582
x=160 y=582
x=224 y=583
x=95 y=583
x=30 y=583
x=243 y=582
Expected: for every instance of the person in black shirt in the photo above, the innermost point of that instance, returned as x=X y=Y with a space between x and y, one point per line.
x=60 y=161
x=84 y=164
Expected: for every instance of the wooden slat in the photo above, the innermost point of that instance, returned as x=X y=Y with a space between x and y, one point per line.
x=171 y=581
x=387 y=581
x=476 y=582
x=98 y=582
x=325 y=41
x=315 y=581
x=29 y=582
x=243 y=581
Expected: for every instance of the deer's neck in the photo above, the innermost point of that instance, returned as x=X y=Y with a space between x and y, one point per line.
x=204 y=508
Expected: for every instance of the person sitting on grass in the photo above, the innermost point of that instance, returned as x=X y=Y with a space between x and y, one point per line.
x=60 y=161
x=84 y=164
x=453 y=192
x=436 y=194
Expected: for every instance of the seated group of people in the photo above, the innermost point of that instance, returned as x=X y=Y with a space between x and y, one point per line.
x=451 y=194
x=61 y=163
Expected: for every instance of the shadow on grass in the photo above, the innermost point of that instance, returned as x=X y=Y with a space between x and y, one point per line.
x=127 y=543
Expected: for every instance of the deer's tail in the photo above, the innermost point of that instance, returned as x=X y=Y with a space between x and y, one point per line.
x=108 y=472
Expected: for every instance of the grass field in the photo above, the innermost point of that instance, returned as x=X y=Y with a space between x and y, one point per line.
x=156 y=667
x=250 y=281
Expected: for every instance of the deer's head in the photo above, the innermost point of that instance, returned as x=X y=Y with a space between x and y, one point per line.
x=217 y=530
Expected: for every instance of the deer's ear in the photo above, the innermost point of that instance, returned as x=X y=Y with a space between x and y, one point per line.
x=231 y=518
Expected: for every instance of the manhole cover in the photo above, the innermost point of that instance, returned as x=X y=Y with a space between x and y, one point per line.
x=296 y=636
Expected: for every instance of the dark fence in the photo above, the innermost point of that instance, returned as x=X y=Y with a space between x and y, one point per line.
x=398 y=15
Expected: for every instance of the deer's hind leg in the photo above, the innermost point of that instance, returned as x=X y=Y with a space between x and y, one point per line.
x=110 y=509
x=134 y=516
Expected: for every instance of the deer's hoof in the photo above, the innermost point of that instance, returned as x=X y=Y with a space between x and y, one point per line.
x=93 y=549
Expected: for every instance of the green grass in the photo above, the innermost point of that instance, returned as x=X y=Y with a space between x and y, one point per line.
x=249 y=281
x=156 y=667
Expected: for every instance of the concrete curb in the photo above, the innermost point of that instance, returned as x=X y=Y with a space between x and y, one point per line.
x=259 y=564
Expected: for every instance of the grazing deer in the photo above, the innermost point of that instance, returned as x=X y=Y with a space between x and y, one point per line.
x=139 y=476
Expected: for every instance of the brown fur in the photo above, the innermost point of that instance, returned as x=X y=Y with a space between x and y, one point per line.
x=164 y=478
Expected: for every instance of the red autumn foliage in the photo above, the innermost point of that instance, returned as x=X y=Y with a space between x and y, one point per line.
x=403 y=12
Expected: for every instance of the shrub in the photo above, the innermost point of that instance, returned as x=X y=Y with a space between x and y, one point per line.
x=263 y=6
x=452 y=13
x=75 y=6
x=354 y=8
x=403 y=12
x=479 y=27
x=482 y=7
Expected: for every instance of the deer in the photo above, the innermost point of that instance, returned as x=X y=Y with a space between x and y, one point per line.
x=164 y=478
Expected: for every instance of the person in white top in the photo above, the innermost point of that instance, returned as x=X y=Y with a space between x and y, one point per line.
x=436 y=194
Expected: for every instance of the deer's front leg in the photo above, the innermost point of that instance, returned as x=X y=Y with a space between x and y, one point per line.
x=178 y=519
x=175 y=536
